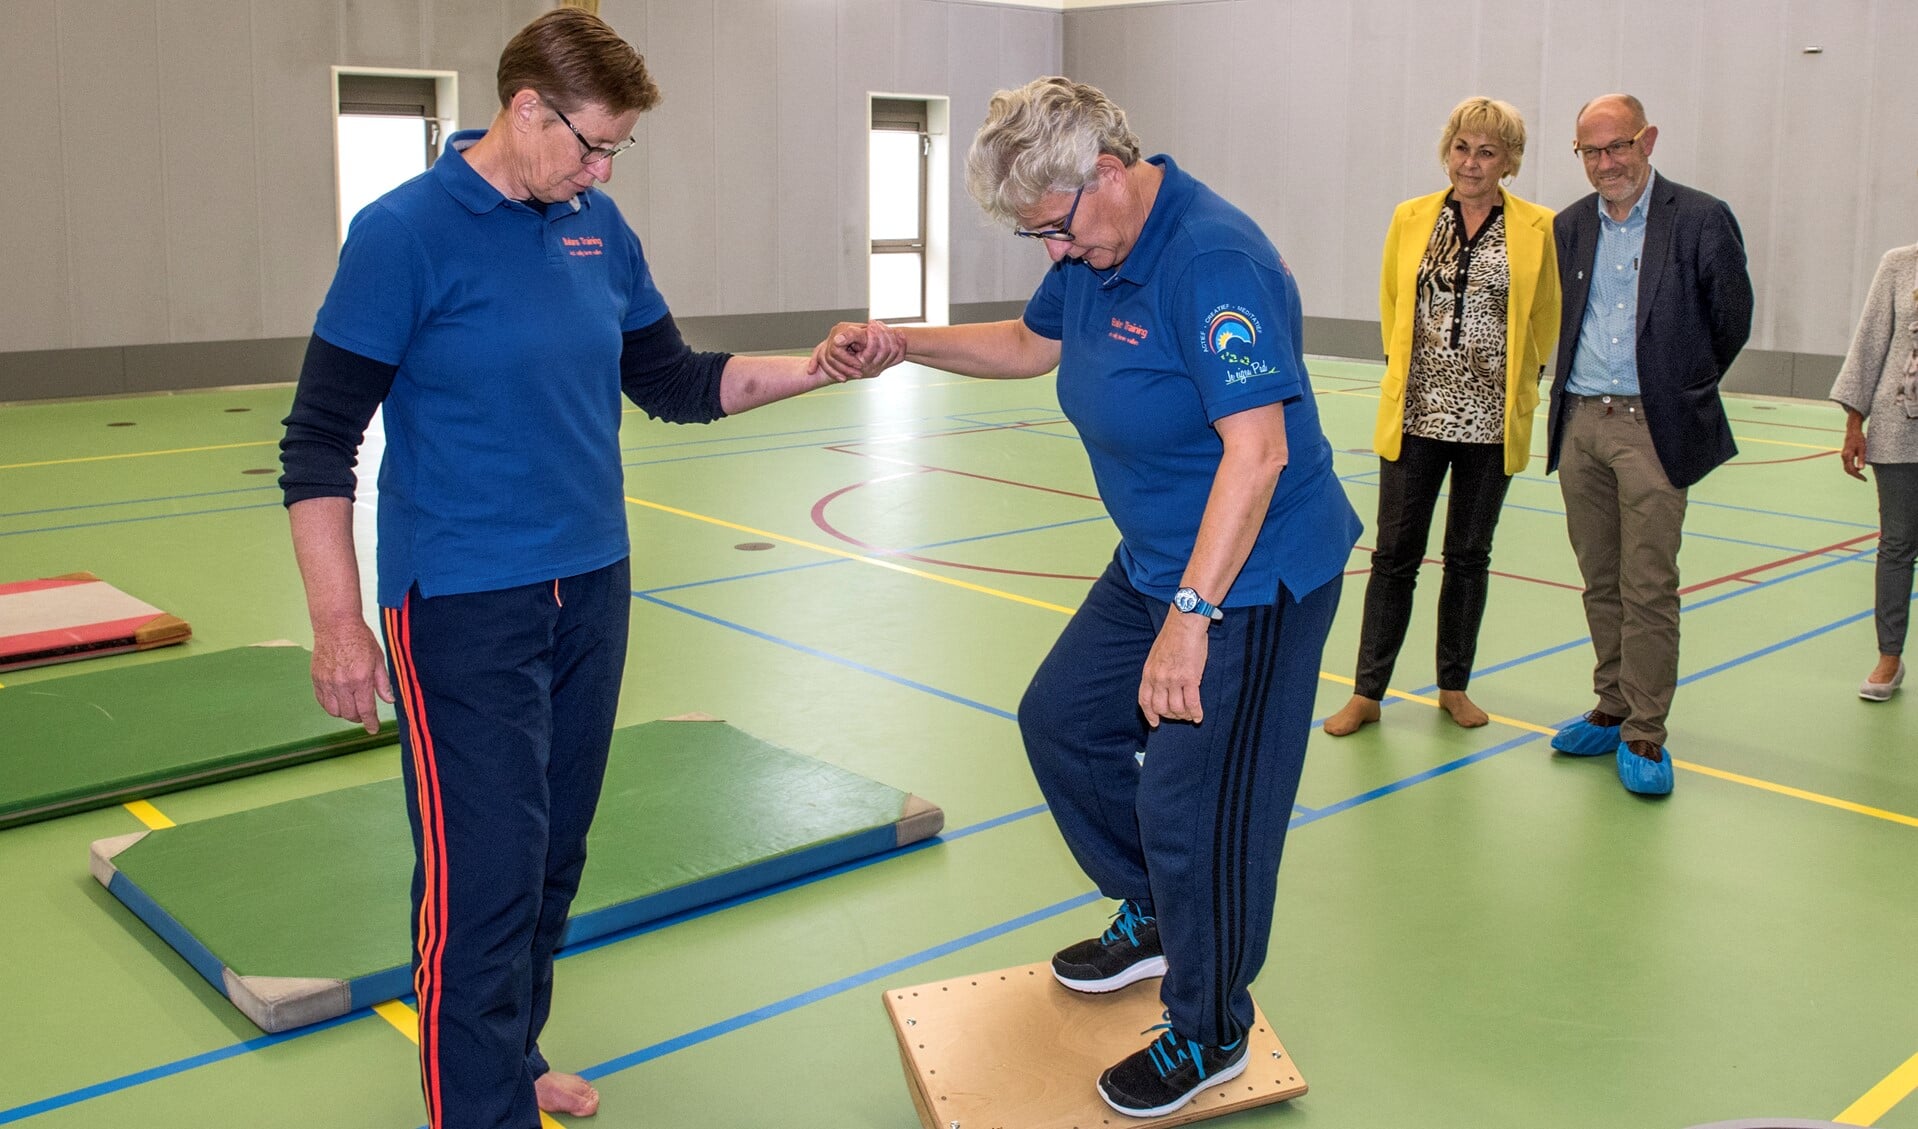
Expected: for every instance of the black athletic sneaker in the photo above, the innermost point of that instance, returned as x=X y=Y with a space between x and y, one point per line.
x=1169 y=1072
x=1125 y=953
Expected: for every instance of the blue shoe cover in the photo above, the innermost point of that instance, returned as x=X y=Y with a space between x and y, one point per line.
x=1583 y=739
x=1647 y=778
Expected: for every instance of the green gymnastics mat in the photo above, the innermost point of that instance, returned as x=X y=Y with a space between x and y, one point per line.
x=297 y=912
x=108 y=736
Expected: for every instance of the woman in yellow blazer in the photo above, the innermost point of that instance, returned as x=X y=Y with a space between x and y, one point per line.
x=1468 y=305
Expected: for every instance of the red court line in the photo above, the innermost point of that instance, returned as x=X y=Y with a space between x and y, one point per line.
x=819 y=519
x=1793 y=426
x=1769 y=565
x=846 y=449
x=1491 y=571
x=1774 y=462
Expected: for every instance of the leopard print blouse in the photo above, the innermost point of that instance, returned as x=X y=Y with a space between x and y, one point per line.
x=1456 y=388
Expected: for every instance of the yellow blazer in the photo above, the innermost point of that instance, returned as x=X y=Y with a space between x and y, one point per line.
x=1531 y=316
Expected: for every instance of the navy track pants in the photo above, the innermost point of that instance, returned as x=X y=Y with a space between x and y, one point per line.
x=1195 y=833
x=506 y=712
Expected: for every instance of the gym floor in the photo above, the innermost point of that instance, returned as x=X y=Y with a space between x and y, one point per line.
x=1471 y=932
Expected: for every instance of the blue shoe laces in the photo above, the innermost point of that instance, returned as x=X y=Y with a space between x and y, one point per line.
x=1168 y=1050
x=1125 y=923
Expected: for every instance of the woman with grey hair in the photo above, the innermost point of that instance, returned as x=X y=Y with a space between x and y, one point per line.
x=1468 y=306
x=1174 y=326
x=1880 y=381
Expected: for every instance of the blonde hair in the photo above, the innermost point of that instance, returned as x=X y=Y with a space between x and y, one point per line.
x=1491 y=118
x=1042 y=138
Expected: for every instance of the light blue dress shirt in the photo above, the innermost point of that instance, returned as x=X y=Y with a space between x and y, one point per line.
x=1606 y=362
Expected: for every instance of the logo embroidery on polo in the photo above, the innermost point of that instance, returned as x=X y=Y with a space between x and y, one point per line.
x=582 y=246
x=1230 y=333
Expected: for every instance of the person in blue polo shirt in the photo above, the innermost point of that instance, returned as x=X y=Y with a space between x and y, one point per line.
x=1174 y=326
x=497 y=305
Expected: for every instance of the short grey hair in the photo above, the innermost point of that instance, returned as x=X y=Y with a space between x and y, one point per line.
x=1042 y=138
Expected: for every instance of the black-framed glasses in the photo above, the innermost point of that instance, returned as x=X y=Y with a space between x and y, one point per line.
x=1616 y=150
x=1062 y=233
x=589 y=152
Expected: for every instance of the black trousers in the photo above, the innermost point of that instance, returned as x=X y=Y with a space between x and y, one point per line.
x=1408 y=494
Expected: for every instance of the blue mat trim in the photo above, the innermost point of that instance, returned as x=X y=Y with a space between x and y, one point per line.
x=720 y=887
x=170 y=930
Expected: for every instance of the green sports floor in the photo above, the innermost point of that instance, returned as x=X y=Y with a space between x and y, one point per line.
x=1471 y=932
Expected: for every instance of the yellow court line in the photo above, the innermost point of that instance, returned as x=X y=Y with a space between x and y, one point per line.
x=1798 y=793
x=407 y=1022
x=862 y=558
x=1879 y=1100
x=1512 y=722
x=138 y=454
x=148 y=814
x=1689 y=766
x=404 y=1019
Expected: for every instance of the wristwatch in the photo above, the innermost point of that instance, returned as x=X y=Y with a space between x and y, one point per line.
x=1189 y=601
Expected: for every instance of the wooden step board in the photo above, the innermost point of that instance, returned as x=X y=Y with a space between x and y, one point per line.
x=1015 y=1049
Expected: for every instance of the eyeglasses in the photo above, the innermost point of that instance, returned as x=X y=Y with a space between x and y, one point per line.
x=1062 y=233
x=1616 y=150
x=590 y=153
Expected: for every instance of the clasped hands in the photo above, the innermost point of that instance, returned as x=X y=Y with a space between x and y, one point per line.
x=856 y=350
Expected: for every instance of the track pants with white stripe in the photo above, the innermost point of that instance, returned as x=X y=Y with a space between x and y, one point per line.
x=506 y=704
x=1195 y=833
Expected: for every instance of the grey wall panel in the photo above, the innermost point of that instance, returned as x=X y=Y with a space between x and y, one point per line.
x=747 y=143
x=1300 y=197
x=1730 y=158
x=382 y=33
x=466 y=36
x=1030 y=46
x=1095 y=44
x=1378 y=155
x=1819 y=199
x=210 y=172
x=919 y=45
x=1890 y=186
x=292 y=49
x=682 y=171
x=810 y=164
x=1511 y=66
x=631 y=184
x=863 y=37
x=34 y=309
x=110 y=90
x=1582 y=45
x=972 y=39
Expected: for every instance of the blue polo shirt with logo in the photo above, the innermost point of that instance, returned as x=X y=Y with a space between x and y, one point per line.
x=1201 y=320
x=505 y=321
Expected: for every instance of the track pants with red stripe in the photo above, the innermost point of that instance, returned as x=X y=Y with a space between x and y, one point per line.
x=506 y=703
x=1194 y=833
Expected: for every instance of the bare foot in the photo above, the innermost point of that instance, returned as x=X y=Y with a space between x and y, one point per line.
x=566 y=1093
x=1355 y=713
x=1886 y=670
x=1467 y=715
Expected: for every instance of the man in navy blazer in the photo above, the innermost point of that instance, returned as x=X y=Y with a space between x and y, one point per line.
x=1657 y=304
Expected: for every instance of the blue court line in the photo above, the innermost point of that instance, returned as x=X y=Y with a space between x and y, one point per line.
x=814 y=445
x=845 y=984
x=1302 y=816
x=814 y=652
x=127 y=1081
x=130 y=520
x=880 y=553
x=137 y=501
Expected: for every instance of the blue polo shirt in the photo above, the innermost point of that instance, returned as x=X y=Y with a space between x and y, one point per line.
x=1200 y=321
x=502 y=426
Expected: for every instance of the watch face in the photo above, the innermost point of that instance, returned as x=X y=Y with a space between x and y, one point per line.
x=1185 y=599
